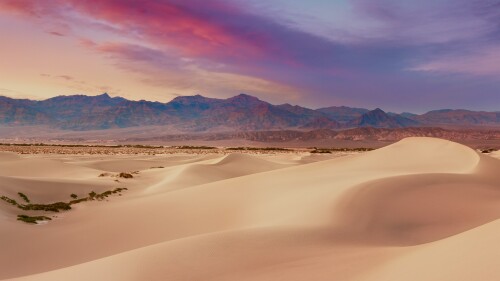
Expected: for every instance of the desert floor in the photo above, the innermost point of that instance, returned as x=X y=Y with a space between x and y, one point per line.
x=420 y=209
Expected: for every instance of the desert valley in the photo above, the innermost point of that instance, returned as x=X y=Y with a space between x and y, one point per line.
x=413 y=210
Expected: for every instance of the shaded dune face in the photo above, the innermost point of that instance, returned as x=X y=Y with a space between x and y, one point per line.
x=457 y=190
x=241 y=217
x=411 y=210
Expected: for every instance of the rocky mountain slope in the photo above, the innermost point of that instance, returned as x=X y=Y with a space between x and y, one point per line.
x=201 y=114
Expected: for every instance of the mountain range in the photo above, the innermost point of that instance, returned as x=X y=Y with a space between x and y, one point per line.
x=202 y=114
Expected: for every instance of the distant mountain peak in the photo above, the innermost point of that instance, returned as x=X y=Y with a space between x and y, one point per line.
x=191 y=99
x=380 y=119
x=197 y=96
x=198 y=113
x=244 y=97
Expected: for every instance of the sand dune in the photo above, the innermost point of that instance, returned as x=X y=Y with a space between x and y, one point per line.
x=420 y=209
x=225 y=167
x=495 y=154
x=40 y=168
x=142 y=163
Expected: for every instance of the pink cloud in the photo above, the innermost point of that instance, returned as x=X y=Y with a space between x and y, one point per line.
x=214 y=30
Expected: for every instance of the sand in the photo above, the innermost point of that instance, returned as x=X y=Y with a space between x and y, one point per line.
x=420 y=209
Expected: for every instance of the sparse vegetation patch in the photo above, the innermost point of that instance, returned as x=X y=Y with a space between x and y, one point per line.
x=57 y=206
x=321 y=151
x=9 y=200
x=259 y=148
x=125 y=175
x=195 y=147
x=330 y=150
x=25 y=198
x=34 y=220
x=53 y=207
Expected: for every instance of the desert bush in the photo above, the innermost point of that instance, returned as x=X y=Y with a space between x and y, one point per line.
x=125 y=175
x=330 y=150
x=25 y=198
x=29 y=219
x=9 y=200
x=92 y=195
x=57 y=206
x=53 y=207
x=321 y=151
x=259 y=148
x=195 y=147
x=72 y=202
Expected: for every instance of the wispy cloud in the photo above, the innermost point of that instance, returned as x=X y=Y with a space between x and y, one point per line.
x=56 y=33
x=481 y=62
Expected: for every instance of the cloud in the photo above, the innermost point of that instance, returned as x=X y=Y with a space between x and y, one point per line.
x=166 y=70
x=55 y=33
x=482 y=62
x=220 y=46
x=427 y=22
x=218 y=32
x=65 y=77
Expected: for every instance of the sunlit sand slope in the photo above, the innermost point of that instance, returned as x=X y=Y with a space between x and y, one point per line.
x=420 y=209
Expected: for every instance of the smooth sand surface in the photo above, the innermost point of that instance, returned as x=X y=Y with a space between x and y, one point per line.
x=420 y=209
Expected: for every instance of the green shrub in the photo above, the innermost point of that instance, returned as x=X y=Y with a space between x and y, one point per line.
x=34 y=220
x=72 y=202
x=57 y=206
x=53 y=207
x=92 y=195
x=25 y=198
x=9 y=200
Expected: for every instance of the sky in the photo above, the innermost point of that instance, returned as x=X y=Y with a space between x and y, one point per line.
x=399 y=55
